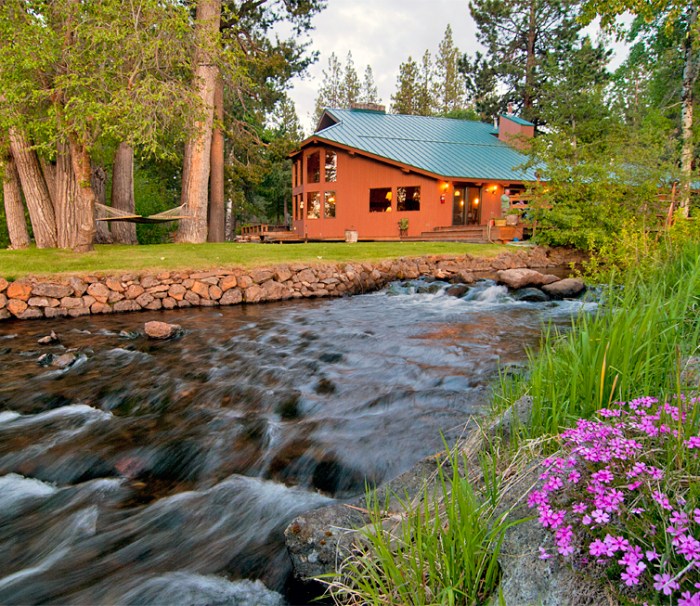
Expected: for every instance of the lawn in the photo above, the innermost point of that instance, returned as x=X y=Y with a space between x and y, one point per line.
x=113 y=258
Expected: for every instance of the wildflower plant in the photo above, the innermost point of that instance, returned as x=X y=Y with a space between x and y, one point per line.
x=623 y=494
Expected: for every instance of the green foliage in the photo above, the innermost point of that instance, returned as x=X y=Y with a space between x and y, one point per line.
x=154 y=192
x=450 y=86
x=518 y=36
x=442 y=550
x=414 y=88
x=628 y=347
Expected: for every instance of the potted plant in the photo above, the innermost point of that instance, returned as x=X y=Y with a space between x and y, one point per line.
x=512 y=217
x=403 y=227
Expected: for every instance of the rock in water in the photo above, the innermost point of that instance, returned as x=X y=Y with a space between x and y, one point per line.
x=564 y=289
x=520 y=278
x=48 y=339
x=162 y=330
x=65 y=360
x=531 y=295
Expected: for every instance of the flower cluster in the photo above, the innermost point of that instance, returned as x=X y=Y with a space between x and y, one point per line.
x=609 y=498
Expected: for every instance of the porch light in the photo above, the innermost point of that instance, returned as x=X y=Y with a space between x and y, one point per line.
x=458 y=193
x=476 y=201
x=461 y=202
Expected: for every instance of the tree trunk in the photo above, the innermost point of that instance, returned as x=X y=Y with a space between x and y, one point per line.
x=14 y=207
x=36 y=192
x=217 y=211
x=123 y=193
x=78 y=205
x=530 y=64
x=197 y=161
x=690 y=76
x=98 y=179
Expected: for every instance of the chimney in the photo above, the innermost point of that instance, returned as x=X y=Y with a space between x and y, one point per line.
x=510 y=108
x=369 y=107
x=515 y=131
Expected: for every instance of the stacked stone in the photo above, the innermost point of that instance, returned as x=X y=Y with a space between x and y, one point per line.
x=78 y=296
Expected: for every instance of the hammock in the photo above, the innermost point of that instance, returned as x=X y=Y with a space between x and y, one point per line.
x=107 y=213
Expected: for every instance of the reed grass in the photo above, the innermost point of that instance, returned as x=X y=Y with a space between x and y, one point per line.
x=443 y=549
x=631 y=346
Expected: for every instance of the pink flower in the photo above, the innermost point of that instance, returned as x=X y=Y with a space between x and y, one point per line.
x=543 y=554
x=600 y=516
x=666 y=583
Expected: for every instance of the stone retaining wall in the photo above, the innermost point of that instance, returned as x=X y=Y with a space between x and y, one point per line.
x=73 y=296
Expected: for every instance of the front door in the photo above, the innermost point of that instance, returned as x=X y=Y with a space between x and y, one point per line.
x=466 y=205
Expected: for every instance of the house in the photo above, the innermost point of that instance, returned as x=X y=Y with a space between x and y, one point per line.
x=365 y=170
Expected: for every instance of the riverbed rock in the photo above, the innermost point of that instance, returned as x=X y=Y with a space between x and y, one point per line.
x=3 y=284
x=161 y=330
x=564 y=289
x=522 y=277
x=457 y=290
x=531 y=295
x=64 y=360
x=49 y=339
x=16 y=307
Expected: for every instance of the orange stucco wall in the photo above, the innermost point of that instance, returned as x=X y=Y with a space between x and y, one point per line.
x=356 y=175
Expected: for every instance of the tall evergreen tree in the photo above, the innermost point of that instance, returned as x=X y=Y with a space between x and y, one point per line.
x=351 y=87
x=450 y=95
x=330 y=93
x=481 y=85
x=426 y=102
x=518 y=34
x=368 y=92
x=406 y=98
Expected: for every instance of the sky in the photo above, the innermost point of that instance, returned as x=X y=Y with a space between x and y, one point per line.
x=383 y=34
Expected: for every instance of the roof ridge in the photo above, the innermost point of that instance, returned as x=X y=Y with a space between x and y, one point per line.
x=495 y=143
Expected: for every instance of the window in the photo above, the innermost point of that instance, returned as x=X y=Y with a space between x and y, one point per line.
x=408 y=198
x=329 y=205
x=331 y=166
x=313 y=167
x=380 y=200
x=313 y=205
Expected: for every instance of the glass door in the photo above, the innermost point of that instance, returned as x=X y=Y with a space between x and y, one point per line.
x=473 y=205
x=459 y=215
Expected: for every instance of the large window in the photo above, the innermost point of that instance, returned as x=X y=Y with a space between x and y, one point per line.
x=313 y=205
x=331 y=166
x=329 y=205
x=408 y=198
x=380 y=200
x=313 y=167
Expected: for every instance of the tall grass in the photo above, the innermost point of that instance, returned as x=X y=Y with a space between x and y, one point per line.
x=632 y=346
x=442 y=550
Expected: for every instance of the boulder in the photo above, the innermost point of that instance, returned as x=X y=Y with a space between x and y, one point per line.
x=177 y=292
x=3 y=284
x=457 y=290
x=99 y=292
x=531 y=294
x=16 y=306
x=520 y=278
x=564 y=289
x=232 y=296
x=162 y=330
x=64 y=360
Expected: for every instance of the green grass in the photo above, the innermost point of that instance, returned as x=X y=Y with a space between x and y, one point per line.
x=114 y=258
x=443 y=549
x=631 y=347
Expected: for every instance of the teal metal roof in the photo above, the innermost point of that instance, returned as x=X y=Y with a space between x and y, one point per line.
x=457 y=149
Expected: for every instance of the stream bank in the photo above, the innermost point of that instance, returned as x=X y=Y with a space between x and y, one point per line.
x=83 y=295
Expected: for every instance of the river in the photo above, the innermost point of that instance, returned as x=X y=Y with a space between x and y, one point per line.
x=151 y=472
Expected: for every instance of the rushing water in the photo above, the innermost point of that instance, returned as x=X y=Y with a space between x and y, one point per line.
x=165 y=472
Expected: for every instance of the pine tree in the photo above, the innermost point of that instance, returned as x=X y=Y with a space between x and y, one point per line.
x=425 y=103
x=481 y=85
x=450 y=87
x=368 y=92
x=405 y=99
x=518 y=34
x=351 y=87
x=330 y=93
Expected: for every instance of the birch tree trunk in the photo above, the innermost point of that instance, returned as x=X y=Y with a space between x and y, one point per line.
x=36 y=192
x=123 y=193
x=14 y=207
x=197 y=161
x=690 y=76
x=217 y=218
